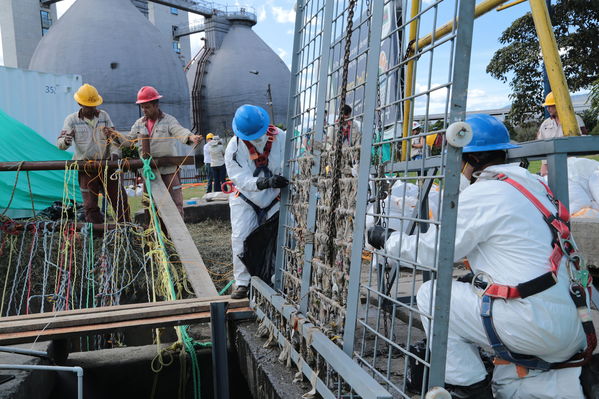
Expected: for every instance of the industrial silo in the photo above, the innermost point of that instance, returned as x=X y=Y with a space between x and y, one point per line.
x=115 y=48
x=234 y=68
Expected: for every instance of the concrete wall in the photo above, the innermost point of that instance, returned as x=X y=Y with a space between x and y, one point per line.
x=164 y=20
x=21 y=30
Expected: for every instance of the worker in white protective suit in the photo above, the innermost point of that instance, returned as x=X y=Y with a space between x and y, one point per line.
x=520 y=298
x=254 y=160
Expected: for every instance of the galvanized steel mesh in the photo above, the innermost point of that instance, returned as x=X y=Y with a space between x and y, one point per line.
x=353 y=170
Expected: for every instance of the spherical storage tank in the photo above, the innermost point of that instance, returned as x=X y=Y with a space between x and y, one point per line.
x=240 y=72
x=117 y=50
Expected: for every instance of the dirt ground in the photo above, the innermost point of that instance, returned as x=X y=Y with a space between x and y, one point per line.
x=213 y=239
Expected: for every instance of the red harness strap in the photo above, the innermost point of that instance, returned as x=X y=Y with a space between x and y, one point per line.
x=261 y=160
x=560 y=229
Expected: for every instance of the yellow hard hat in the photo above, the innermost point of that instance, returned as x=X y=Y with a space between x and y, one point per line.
x=209 y=136
x=88 y=96
x=430 y=139
x=549 y=100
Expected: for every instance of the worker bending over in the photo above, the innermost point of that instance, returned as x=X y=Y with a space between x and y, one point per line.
x=520 y=302
x=162 y=130
x=254 y=161
x=92 y=133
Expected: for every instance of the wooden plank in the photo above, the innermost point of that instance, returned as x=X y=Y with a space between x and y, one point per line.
x=110 y=315
x=197 y=274
x=56 y=333
x=141 y=306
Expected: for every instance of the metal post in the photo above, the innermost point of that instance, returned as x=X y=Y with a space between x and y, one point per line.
x=555 y=70
x=461 y=70
x=557 y=177
x=220 y=359
x=283 y=210
x=272 y=112
x=409 y=82
x=370 y=103
x=546 y=85
x=318 y=137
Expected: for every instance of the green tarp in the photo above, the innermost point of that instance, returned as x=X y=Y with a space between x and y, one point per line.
x=20 y=143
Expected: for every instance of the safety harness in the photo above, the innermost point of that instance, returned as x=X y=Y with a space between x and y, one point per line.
x=261 y=163
x=261 y=160
x=563 y=245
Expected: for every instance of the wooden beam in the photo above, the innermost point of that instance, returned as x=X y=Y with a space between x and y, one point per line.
x=139 y=306
x=110 y=327
x=110 y=315
x=190 y=257
x=144 y=314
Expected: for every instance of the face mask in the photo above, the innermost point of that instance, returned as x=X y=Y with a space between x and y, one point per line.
x=260 y=143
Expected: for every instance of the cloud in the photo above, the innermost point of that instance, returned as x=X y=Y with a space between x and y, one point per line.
x=281 y=52
x=478 y=99
x=290 y=32
x=283 y=16
x=261 y=13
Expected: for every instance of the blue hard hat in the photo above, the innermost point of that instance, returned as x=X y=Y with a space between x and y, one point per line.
x=488 y=134
x=250 y=122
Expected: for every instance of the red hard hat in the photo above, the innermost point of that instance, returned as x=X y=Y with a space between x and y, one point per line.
x=147 y=94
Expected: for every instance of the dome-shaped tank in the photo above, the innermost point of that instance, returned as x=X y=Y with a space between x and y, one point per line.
x=116 y=49
x=240 y=72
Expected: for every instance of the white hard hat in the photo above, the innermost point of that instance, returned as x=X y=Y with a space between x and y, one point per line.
x=415 y=125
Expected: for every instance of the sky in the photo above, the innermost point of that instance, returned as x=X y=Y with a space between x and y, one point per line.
x=276 y=23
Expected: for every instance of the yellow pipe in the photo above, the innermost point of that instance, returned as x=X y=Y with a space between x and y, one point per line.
x=503 y=7
x=446 y=29
x=407 y=113
x=555 y=70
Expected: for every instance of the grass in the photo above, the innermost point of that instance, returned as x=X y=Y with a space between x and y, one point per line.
x=535 y=166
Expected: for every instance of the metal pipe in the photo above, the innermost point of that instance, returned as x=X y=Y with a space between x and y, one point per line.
x=555 y=70
x=124 y=164
x=77 y=370
x=446 y=29
x=415 y=9
x=21 y=351
x=508 y=5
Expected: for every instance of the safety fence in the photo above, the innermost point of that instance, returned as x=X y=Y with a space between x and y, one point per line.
x=363 y=74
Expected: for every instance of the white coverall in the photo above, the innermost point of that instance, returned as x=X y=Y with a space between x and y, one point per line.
x=504 y=235
x=240 y=169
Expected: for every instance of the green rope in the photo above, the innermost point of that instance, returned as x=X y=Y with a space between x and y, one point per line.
x=226 y=287
x=188 y=341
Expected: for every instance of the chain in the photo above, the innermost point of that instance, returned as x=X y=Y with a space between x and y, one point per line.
x=335 y=188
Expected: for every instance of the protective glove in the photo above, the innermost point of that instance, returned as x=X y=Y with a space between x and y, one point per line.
x=377 y=236
x=68 y=139
x=275 y=181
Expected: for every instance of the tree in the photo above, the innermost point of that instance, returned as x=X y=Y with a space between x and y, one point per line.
x=576 y=28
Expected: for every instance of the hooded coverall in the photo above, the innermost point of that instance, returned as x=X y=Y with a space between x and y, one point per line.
x=502 y=234
x=240 y=169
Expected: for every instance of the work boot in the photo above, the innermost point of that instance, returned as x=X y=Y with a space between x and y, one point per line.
x=478 y=390
x=240 y=292
x=589 y=378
